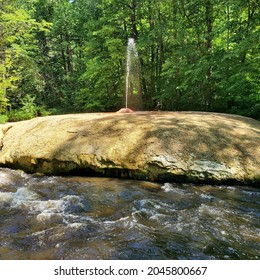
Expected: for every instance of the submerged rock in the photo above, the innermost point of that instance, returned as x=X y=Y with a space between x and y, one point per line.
x=156 y=146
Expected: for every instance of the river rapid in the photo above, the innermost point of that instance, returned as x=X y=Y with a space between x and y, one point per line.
x=102 y=218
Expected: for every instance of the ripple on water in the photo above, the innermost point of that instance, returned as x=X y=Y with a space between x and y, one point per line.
x=92 y=218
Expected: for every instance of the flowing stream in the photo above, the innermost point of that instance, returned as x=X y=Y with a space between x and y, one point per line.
x=102 y=218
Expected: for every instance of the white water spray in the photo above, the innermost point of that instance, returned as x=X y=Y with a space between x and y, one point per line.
x=132 y=59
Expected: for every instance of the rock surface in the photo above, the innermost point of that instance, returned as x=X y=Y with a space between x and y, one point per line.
x=156 y=146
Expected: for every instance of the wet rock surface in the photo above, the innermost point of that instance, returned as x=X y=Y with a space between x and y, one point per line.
x=156 y=146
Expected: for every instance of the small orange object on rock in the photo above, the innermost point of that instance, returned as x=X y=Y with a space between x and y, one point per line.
x=125 y=110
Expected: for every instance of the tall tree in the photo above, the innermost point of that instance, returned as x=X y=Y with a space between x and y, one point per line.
x=71 y=54
x=19 y=70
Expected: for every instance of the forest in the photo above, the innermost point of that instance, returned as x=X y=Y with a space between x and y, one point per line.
x=61 y=56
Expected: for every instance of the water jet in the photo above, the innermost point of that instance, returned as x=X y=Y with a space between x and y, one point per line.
x=133 y=93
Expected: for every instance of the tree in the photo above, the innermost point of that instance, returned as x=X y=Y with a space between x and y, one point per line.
x=19 y=72
x=71 y=55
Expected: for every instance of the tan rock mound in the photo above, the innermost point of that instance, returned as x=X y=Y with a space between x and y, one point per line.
x=156 y=146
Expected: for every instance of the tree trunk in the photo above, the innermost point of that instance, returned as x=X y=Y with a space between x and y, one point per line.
x=209 y=24
x=134 y=32
x=208 y=91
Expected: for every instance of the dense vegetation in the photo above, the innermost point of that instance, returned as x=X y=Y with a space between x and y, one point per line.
x=70 y=56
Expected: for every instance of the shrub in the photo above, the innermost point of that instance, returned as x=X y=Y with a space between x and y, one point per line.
x=3 y=119
x=19 y=115
x=28 y=111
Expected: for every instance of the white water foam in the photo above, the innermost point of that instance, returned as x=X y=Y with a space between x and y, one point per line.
x=49 y=218
x=46 y=211
x=22 y=195
x=124 y=222
x=5 y=178
x=169 y=188
x=206 y=196
x=5 y=199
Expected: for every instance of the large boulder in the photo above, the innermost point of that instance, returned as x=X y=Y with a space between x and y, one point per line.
x=157 y=146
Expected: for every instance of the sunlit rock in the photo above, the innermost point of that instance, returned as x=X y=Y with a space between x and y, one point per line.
x=155 y=146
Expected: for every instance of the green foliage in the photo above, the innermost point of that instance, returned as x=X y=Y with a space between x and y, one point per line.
x=70 y=56
x=19 y=115
x=28 y=110
x=3 y=119
x=19 y=72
